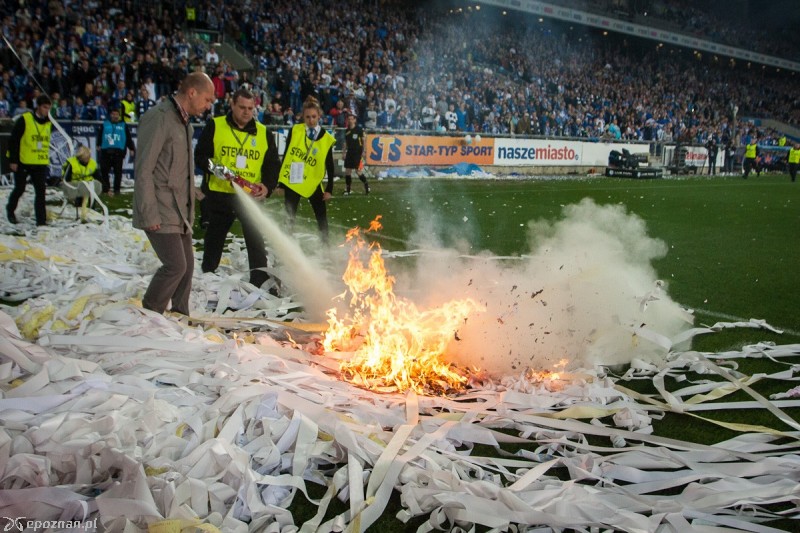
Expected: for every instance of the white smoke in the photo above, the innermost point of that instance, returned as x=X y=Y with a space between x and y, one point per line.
x=301 y=274
x=586 y=293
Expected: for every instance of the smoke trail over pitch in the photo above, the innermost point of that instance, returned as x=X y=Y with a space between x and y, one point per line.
x=303 y=276
x=587 y=293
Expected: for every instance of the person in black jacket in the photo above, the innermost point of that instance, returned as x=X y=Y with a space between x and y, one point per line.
x=353 y=150
x=29 y=156
x=713 y=150
x=242 y=144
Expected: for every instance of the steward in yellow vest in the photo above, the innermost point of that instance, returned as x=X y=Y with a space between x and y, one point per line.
x=306 y=161
x=128 y=108
x=794 y=160
x=29 y=156
x=240 y=143
x=79 y=180
x=750 y=155
x=308 y=155
x=80 y=167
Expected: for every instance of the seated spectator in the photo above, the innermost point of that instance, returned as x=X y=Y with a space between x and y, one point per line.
x=144 y=101
x=387 y=119
x=64 y=111
x=212 y=58
x=5 y=106
x=79 y=181
x=95 y=110
x=371 y=120
x=22 y=108
x=79 y=110
x=338 y=115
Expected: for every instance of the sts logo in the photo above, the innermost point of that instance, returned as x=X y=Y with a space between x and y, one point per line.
x=385 y=149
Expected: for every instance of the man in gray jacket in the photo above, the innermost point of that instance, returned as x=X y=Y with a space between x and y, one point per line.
x=164 y=192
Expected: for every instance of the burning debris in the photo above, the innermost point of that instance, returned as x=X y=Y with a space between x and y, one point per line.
x=396 y=346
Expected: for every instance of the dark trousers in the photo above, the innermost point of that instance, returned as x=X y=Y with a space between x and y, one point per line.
x=712 y=164
x=348 y=180
x=221 y=210
x=38 y=174
x=111 y=159
x=317 y=200
x=793 y=170
x=173 y=279
x=750 y=165
x=729 y=163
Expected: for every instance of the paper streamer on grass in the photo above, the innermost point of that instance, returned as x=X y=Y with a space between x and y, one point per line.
x=144 y=421
x=195 y=426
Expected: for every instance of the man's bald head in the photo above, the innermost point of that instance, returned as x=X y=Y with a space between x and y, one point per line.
x=196 y=93
x=198 y=81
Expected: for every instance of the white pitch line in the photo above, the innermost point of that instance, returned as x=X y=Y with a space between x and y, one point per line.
x=734 y=318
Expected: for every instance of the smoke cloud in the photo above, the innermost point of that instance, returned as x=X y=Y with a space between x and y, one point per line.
x=586 y=292
x=301 y=274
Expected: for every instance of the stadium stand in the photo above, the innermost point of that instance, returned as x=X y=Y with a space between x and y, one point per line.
x=404 y=68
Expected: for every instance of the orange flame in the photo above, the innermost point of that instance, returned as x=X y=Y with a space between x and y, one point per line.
x=551 y=378
x=396 y=345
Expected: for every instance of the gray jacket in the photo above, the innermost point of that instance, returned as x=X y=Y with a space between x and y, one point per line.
x=163 y=190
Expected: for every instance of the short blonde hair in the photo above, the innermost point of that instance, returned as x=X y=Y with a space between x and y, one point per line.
x=83 y=153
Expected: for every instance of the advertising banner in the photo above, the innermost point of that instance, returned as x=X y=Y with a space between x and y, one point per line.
x=402 y=150
x=538 y=152
x=410 y=150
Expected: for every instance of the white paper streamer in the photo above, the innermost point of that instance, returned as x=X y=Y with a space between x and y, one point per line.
x=133 y=418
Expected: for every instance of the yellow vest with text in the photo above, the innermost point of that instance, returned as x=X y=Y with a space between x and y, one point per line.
x=227 y=148
x=750 y=151
x=312 y=154
x=128 y=111
x=81 y=172
x=34 y=146
x=794 y=155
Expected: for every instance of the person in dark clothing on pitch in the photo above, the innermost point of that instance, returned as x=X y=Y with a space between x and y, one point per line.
x=244 y=145
x=713 y=150
x=113 y=140
x=353 y=151
x=29 y=156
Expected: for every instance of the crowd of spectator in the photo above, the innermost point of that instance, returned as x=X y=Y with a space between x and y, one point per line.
x=91 y=56
x=394 y=66
x=724 y=24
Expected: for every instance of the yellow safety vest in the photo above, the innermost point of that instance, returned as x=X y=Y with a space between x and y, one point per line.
x=81 y=172
x=794 y=155
x=191 y=14
x=129 y=111
x=782 y=141
x=34 y=146
x=312 y=154
x=750 y=151
x=230 y=145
